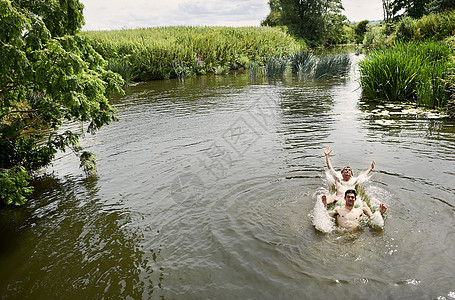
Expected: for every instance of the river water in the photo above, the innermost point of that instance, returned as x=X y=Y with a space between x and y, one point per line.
x=206 y=187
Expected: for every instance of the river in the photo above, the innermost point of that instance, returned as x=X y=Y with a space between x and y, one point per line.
x=206 y=187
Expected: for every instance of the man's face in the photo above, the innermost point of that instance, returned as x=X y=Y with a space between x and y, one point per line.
x=347 y=172
x=350 y=199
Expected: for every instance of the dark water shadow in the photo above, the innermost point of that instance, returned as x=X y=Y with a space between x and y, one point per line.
x=68 y=243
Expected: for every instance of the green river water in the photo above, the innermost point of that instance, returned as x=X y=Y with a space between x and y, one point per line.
x=206 y=187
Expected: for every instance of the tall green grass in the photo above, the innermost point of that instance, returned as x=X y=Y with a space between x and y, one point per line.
x=332 y=66
x=408 y=72
x=304 y=63
x=169 y=52
x=301 y=62
x=275 y=66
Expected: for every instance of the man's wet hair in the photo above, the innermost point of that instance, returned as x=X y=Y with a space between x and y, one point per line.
x=350 y=192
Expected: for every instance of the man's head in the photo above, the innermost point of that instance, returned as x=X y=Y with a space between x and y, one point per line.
x=346 y=173
x=349 y=197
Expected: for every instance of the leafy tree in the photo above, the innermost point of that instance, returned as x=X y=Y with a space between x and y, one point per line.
x=360 y=30
x=48 y=74
x=273 y=18
x=314 y=20
x=413 y=8
x=442 y=5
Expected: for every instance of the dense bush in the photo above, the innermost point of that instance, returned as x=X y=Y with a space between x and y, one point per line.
x=374 y=36
x=406 y=29
x=436 y=26
x=159 y=53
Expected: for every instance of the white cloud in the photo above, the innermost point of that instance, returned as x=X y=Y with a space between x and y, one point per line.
x=118 y=14
x=359 y=10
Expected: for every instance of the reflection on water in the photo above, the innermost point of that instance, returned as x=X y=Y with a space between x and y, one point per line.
x=206 y=188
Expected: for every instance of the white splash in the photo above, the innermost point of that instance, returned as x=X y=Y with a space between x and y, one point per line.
x=321 y=219
x=375 y=196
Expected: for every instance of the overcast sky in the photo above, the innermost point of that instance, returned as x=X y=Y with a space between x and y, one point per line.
x=121 y=14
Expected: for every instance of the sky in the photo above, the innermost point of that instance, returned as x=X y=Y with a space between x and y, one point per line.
x=121 y=14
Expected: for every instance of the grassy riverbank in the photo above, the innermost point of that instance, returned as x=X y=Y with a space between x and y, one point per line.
x=169 y=52
x=420 y=72
x=412 y=60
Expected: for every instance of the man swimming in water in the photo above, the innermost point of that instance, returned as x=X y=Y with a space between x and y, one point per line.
x=348 y=216
x=343 y=183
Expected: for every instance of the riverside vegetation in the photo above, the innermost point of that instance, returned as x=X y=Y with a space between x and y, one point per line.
x=178 y=52
x=415 y=62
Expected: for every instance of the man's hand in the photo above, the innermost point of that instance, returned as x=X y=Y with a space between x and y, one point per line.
x=382 y=208
x=372 y=165
x=327 y=151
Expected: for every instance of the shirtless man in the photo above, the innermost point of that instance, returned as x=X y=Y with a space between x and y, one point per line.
x=348 y=216
x=347 y=182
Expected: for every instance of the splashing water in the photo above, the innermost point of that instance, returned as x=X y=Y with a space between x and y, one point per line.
x=321 y=219
x=371 y=194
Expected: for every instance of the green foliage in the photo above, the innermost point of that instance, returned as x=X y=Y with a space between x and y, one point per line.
x=272 y=19
x=407 y=72
x=442 y=5
x=253 y=69
x=158 y=53
x=361 y=27
x=47 y=75
x=317 y=21
x=450 y=107
x=437 y=26
x=406 y=29
x=412 y=8
x=360 y=30
x=332 y=66
x=275 y=66
x=88 y=163
x=302 y=62
x=221 y=70
x=374 y=36
x=14 y=187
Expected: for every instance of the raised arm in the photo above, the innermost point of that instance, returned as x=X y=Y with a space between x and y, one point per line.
x=327 y=152
x=363 y=175
x=369 y=169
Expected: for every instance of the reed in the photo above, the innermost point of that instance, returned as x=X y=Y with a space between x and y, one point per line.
x=332 y=66
x=275 y=66
x=408 y=72
x=157 y=53
x=253 y=69
x=301 y=62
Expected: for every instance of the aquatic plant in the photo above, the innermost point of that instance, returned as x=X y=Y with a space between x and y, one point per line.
x=181 y=71
x=123 y=67
x=275 y=66
x=301 y=62
x=407 y=72
x=221 y=70
x=332 y=66
x=253 y=69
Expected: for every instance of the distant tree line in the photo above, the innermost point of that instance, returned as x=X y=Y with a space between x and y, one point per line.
x=323 y=21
